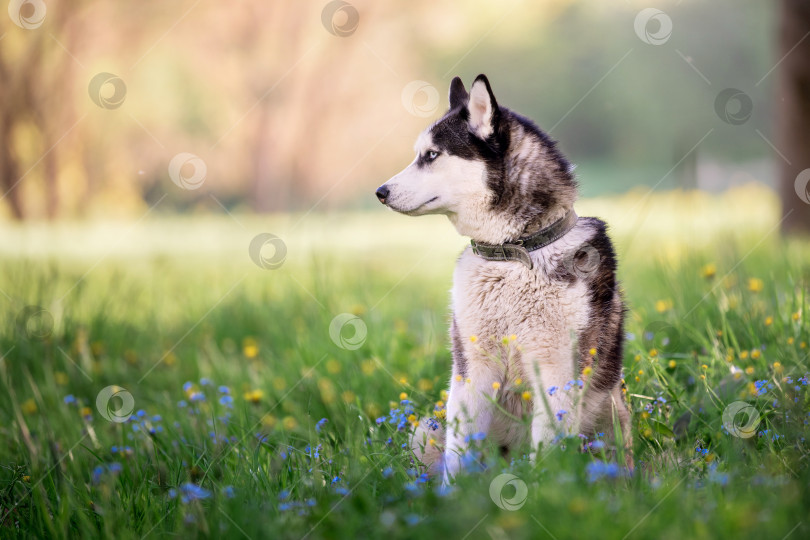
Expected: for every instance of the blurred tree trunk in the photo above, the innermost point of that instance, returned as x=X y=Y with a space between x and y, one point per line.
x=793 y=98
x=9 y=171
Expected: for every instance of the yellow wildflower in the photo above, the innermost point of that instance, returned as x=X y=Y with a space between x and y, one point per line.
x=29 y=406
x=795 y=316
x=473 y=338
x=756 y=353
x=662 y=306
x=496 y=385
x=526 y=395
x=333 y=366
x=368 y=366
x=61 y=378
x=403 y=396
x=592 y=351
x=672 y=364
x=250 y=348
x=254 y=396
x=348 y=396
x=768 y=321
x=749 y=370
x=709 y=271
x=755 y=285
x=289 y=423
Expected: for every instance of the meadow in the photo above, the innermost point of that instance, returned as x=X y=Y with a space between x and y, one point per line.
x=155 y=381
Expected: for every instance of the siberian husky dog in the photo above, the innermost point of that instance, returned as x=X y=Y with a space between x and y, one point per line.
x=537 y=314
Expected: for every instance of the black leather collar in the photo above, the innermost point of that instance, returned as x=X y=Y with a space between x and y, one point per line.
x=519 y=249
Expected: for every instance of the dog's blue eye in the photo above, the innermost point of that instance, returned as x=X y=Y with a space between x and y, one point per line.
x=432 y=155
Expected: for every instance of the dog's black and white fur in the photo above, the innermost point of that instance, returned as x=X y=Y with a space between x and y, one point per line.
x=499 y=178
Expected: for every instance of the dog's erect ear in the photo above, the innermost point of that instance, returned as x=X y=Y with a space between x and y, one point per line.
x=458 y=94
x=483 y=108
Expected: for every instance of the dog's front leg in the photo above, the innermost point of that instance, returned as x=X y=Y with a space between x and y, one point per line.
x=469 y=411
x=553 y=410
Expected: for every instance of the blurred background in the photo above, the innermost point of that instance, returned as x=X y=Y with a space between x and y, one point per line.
x=110 y=110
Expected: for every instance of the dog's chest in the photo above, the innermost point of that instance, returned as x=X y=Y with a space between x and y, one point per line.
x=493 y=299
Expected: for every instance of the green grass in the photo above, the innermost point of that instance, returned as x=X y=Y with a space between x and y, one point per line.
x=152 y=321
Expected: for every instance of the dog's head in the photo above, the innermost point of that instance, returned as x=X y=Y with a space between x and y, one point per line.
x=491 y=171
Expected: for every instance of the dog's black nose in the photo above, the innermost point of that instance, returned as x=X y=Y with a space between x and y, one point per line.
x=382 y=193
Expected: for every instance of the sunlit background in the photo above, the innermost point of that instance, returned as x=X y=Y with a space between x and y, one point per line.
x=308 y=106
